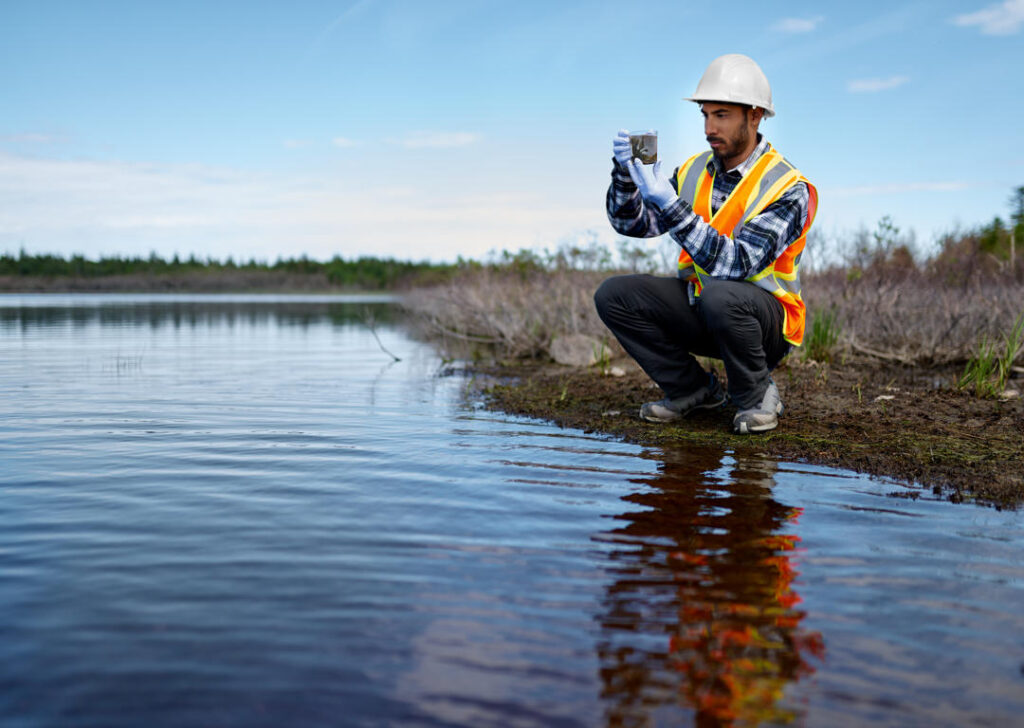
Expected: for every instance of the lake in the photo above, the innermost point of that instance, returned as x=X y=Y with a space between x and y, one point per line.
x=242 y=511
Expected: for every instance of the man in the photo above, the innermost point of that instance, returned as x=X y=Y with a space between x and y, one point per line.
x=740 y=213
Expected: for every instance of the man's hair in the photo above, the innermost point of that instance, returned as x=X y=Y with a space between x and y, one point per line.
x=745 y=107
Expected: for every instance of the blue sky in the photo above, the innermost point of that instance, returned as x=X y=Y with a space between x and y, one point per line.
x=427 y=130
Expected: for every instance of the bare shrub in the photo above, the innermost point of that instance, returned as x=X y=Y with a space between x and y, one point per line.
x=890 y=306
x=518 y=314
x=915 y=318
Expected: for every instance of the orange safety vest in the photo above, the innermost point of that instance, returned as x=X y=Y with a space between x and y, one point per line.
x=770 y=177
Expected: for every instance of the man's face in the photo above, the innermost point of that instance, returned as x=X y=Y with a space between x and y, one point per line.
x=728 y=128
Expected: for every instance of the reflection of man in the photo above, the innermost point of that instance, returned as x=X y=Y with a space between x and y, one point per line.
x=741 y=214
x=702 y=609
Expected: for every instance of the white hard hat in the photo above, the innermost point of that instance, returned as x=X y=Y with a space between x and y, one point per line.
x=735 y=79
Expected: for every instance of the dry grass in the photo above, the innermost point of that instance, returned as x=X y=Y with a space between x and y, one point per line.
x=903 y=314
x=915 y=318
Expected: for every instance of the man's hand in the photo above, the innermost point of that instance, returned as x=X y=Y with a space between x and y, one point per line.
x=621 y=147
x=653 y=185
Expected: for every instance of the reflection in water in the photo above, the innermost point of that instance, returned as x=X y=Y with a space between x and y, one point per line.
x=702 y=610
x=35 y=312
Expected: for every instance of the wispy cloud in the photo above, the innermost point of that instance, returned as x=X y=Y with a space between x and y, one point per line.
x=436 y=139
x=1005 y=18
x=344 y=142
x=797 y=25
x=870 y=85
x=893 y=189
x=296 y=143
x=102 y=194
x=347 y=14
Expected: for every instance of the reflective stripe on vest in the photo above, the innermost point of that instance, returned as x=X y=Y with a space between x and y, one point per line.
x=765 y=183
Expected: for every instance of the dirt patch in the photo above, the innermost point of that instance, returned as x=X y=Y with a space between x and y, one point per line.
x=906 y=423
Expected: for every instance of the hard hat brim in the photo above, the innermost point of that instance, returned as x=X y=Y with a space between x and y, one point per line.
x=768 y=111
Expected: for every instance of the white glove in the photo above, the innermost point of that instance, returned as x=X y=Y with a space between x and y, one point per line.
x=621 y=147
x=653 y=185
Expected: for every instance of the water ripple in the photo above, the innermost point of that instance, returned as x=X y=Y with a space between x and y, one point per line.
x=240 y=513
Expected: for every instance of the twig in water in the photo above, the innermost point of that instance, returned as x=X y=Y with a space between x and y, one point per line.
x=368 y=321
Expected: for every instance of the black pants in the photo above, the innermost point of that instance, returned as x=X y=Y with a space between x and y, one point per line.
x=735 y=321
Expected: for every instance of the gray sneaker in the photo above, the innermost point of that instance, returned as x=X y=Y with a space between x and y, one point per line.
x=762 y=418
x=669 y=410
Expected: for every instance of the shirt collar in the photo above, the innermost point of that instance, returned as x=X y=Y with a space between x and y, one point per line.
x=747 y=164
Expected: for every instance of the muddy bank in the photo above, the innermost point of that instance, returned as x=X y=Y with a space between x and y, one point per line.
x=907 y=423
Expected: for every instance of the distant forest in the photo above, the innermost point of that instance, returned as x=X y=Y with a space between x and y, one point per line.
x=26 y=271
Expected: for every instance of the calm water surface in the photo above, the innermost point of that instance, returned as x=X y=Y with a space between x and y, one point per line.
x=238 y=511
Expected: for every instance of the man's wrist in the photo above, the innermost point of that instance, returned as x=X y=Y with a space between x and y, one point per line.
x=665 y=202
x=620 y=177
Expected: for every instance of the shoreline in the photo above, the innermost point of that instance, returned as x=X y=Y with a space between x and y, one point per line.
x=172 y=285
x=878 y=418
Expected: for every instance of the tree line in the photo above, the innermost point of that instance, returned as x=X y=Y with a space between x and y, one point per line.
x=366 y=272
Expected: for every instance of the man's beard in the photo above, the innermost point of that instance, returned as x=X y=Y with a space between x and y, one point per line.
x=733 y=146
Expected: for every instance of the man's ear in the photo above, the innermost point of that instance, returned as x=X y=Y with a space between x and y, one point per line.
x=756 y=114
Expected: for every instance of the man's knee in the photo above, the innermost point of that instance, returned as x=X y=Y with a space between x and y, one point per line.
x=612 y=291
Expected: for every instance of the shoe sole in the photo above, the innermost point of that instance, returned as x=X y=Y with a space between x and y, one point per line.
x=744 y=429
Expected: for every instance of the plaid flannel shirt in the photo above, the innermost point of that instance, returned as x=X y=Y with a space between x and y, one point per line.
x=758 y=243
